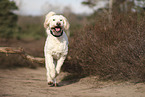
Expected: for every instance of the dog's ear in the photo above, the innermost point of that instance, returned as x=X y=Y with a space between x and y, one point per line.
x=66 y=23
x=46 y=23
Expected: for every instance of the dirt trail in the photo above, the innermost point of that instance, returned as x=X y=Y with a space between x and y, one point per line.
x=24 y=82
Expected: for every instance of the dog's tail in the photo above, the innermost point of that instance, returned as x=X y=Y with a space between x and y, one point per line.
x=47 y=18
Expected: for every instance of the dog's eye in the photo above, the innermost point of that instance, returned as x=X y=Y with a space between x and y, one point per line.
x=53 y=19
x=60 y=19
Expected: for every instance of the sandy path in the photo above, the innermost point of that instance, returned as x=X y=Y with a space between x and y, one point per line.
x=24 y=82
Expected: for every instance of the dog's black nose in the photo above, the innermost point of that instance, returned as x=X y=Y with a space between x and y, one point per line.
x=58 y=23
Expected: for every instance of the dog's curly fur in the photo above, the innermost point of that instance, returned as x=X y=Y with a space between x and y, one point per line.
x=56 y=45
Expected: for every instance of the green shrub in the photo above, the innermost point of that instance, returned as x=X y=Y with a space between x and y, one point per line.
x=31 y=27
x=8 y=20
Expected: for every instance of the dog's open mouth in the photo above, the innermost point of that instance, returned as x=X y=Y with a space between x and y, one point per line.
x=57 y=29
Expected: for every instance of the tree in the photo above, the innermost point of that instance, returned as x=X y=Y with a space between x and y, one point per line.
x=117 y=6
x=139 y=5
x=93 y=3
x=110 y=11
x=8 y=20
x=90 y=3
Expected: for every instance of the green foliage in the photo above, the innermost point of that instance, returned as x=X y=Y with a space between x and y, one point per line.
x=90 y=3
x=8 y=20
x=31 y=27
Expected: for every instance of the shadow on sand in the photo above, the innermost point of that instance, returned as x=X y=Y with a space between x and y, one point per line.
x=70 y=79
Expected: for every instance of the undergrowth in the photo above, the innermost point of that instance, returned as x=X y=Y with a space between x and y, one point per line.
x=115 y=52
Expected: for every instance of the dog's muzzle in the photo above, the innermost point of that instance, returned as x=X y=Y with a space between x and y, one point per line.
x=58 y=27
x=56 y=35
x=57 y=30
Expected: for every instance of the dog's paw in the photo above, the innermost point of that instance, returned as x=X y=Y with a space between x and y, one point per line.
x=50 y=83
x=54 y=85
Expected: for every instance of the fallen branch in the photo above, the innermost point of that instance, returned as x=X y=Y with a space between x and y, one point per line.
x=20 y=51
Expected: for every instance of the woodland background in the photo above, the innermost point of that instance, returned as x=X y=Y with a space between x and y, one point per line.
x=109 y=44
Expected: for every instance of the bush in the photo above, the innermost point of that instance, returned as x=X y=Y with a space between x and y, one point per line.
x=8 y=20
x=111 y=52
x=31 y=27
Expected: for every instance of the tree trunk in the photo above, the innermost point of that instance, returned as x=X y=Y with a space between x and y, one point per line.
x=110 y=11
x=21 y=52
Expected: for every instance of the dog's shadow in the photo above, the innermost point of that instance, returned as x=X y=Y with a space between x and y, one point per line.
x=70 y=79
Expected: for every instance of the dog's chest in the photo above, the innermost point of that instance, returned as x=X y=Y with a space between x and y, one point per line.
x=56 y=47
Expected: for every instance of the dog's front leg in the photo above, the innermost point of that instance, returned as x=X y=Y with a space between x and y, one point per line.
x=59 y=64
x=50 y=66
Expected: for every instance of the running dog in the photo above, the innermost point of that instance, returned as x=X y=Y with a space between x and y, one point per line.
x=56 y=45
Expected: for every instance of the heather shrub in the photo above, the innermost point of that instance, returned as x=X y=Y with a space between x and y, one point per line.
x=114 y=51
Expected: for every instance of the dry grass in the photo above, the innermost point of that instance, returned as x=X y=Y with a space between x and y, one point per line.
x=111 y=52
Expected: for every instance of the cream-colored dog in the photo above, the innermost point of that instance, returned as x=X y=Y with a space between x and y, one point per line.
x=56 y=45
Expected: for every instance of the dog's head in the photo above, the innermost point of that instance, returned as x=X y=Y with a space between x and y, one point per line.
x=56 y=23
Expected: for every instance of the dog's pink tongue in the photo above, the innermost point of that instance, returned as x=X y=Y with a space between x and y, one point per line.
x=57 y=29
